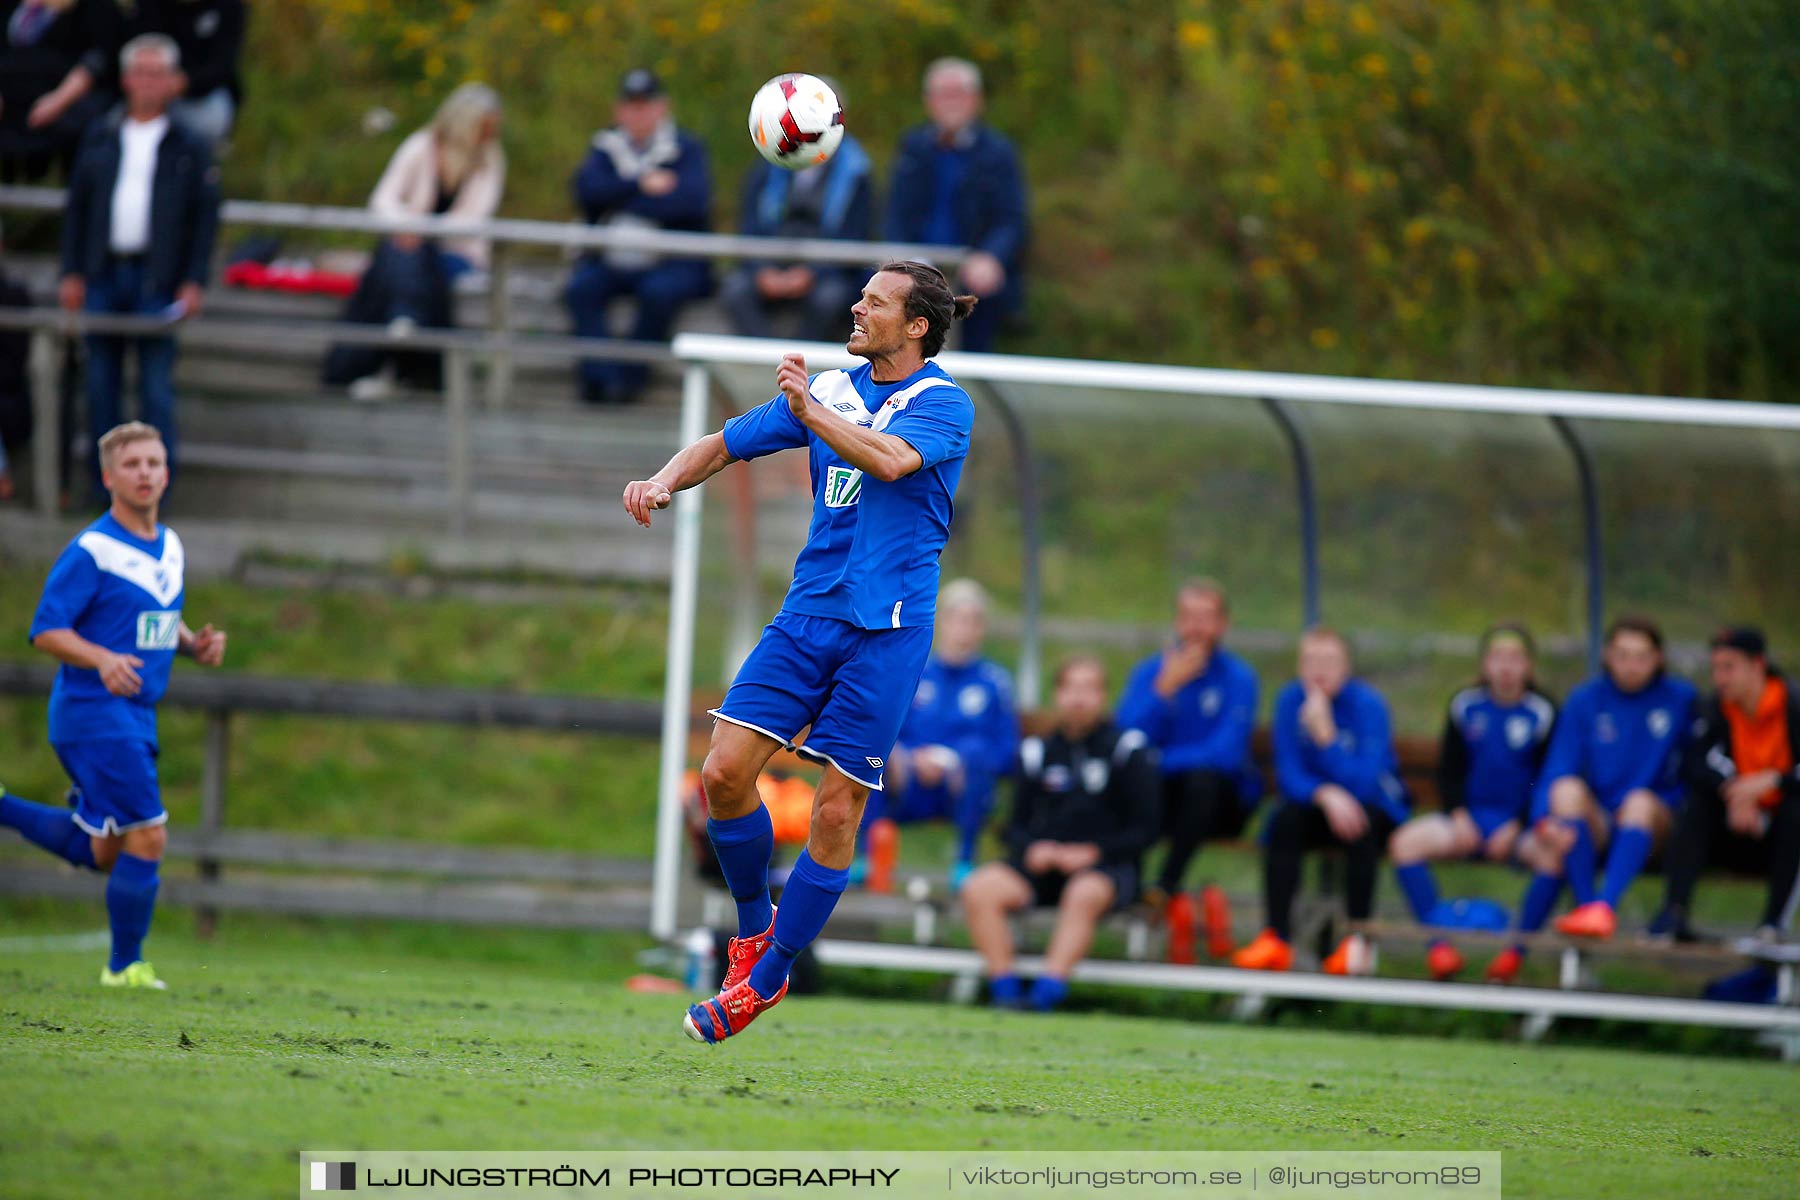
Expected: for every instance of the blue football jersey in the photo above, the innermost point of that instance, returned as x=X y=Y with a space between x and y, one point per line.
x=1502 y=747
x=871 y=554
x=124 y=593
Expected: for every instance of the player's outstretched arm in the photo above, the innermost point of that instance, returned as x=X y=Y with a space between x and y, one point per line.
x=206 y=647
x=882 y=455
x=689 y=468
x=117 y=671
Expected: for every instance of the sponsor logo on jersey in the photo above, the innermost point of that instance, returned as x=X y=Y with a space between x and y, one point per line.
x=843 y=486
x=159 y=630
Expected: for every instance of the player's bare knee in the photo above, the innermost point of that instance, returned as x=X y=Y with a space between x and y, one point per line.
x=1089 y=892
x=728 y=784
x=106 y=853
x=1569 y=797
x=835 y=817
x=1403 y=845
x=1640 y=809
x=147 y=843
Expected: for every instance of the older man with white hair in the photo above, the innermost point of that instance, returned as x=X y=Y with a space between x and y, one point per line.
x=957 y=182
x=143 y=210
x=959 y=738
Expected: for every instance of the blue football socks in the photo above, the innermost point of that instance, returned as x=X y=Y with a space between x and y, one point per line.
x=1579 y=866
x=745 y=845
x=130 y=902
x=51 y=827
x=1630 y=850
x=811 y=893
x=1420 y=888
x=1534 y=909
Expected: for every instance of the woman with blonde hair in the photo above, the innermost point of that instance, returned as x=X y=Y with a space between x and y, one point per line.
x=454 y=168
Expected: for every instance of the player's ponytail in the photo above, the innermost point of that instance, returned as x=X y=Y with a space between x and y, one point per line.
x=930 y=298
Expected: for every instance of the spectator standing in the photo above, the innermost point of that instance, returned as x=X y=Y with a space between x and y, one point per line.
x=1611 y=782
x=1493 y=743
x=1340 y=786
x=210 y=34
x=1743 y=793
x=959 y=738
x=1196 y=702
x=143 y=209
x=455 y=168
x=1084 y=811
x=957 y=182
x=642 y=173
x=56 y=78
x=834 y=200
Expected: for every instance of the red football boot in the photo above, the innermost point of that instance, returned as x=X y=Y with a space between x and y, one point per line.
x=1215 y=918
x=727 y=1013
x=1444 y=961
x=1180 y=916
x=1505 y=967
x=1594 y=919
x=742 y=953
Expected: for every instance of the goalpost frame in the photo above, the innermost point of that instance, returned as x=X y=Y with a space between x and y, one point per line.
x=1272 y=392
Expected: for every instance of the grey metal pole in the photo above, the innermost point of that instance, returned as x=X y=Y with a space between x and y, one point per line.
x=1031 y=591
x=48 y=434
x=1309 y=507
x=684 y=586
x=1590 y=522
x=212 y=807
x=460 y=472
x=500 y=364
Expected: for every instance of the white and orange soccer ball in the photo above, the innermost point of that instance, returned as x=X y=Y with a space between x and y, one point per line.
x=796 y=121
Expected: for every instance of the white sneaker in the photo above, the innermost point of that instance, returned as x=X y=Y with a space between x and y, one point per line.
x=373 y=389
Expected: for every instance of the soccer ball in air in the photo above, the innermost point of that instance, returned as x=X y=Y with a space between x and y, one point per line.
x=796 y=121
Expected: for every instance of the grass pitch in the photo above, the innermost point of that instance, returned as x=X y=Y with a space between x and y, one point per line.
x=283 y=1035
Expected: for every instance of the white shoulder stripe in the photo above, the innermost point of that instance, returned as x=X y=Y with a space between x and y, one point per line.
x=161 y=578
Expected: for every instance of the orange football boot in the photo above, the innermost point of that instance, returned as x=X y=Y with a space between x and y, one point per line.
x=1594 y=919
x=1267 y=953
x=1353 y=956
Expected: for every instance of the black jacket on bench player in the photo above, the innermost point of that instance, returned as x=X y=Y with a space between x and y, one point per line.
x=1101 y=789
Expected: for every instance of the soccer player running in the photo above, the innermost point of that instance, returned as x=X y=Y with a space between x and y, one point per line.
x=111 y=613
x=887 y=442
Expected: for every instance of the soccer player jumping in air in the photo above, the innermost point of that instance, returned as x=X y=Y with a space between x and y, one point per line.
x=111 y=613
x=887 y=442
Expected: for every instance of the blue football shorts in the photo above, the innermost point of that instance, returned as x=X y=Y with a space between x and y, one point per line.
x=852 y=685
x=115 y=784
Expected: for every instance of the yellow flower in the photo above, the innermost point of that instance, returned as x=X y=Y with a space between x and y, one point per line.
x=1280 y=41
x=1416 y=231
x=1264 y=268
x=1325 y=338
x=1361 y=19
x=556 y=23
x=1372 y=65
x=1464 y=260
x=1197 y=35
x=1268 y=185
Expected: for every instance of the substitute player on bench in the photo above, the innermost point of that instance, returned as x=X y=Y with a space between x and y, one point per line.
x=887 y=442
x=111 y=614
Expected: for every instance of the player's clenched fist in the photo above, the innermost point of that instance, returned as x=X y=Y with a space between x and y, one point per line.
x=790 y=377
x=643 y=497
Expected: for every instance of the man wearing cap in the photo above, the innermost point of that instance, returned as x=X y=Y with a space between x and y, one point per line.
x=643 y=173
x=1743 y=806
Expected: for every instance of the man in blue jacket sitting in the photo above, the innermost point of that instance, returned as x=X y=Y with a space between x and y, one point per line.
x=643 y=173
x=958 y=183
x=834 y=200
x=1340 y=786
x=1196 y=703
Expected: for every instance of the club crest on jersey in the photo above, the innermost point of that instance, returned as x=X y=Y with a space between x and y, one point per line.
x=1660 y=723
x=843 y=486
x=972 y=700
x=158 y=630
x=1518 y=732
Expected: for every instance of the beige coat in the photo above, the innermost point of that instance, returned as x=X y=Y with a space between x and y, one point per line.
x=408 y=188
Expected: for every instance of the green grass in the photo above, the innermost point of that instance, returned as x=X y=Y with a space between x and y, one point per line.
x=283 y=1035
